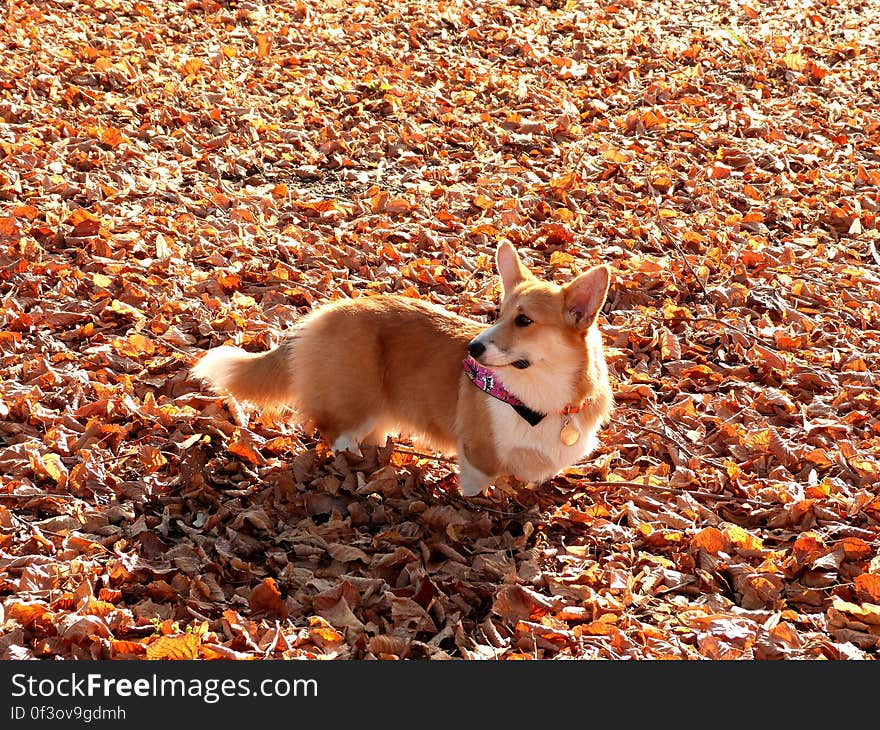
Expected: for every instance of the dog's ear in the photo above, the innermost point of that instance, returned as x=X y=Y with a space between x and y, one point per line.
x=585 y=295
x=509 y=266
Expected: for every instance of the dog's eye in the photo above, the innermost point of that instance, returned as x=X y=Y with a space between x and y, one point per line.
x=522 y=321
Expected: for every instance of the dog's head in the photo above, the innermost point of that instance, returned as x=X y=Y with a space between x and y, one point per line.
x=540 y=323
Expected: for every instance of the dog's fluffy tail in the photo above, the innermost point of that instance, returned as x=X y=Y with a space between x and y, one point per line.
x=262 y=378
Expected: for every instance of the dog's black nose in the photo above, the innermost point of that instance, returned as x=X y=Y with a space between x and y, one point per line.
x=475 y=349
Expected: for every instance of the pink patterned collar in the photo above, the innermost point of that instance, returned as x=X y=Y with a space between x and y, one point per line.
x=489 y=383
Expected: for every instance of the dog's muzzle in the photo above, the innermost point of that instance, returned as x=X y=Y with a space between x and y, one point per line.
x=476 y=349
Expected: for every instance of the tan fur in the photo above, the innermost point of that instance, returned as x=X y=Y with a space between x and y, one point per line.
x=363 y=368
x=264 y=379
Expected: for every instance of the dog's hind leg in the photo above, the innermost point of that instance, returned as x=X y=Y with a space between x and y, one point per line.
x=352 y=438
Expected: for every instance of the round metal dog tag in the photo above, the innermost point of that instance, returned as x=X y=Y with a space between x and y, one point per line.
x=569 y=435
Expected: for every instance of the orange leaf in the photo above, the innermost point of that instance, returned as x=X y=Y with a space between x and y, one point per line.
x=653 y=119
x=564 y=182
x=242 y=214
x=26 y=211
x=192 y=67
x=741 y=538
x=183 y=646
x=8 y=227
x=670 y=347
x=97 y=607
x=84 y=223
x=379 y=201
x=595 y=628
x=264 y=44
x=751 y=191
x=266 y=598
x=718 y=171
x=560 y=258
x=410 y=292
x=808 y=547
x=229 y=282
x=869 y=585
x=118 y=646
x=111 y=136
x=111 y=595
x=709 y=539
x=819 y=457
x=701 y=372
x=151 y=458
x=816 y=71
x=134 y=345
x=322 y=633
x=28 y=613
x=398 y=205
x=854 y=548
x=221 y=200
x=558 y=235
x=614 y=156
x=245 y=450
x=482 y=202
x=389 y=252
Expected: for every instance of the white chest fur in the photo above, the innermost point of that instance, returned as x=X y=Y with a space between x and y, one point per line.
x=537 y=453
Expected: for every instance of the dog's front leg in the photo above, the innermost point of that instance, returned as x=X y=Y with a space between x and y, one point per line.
x=471 y=480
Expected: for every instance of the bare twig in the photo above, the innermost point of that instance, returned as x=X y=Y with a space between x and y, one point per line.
x=729 y=326
x=422 y=455
x=663 y=227
x=679 y=490
x=46 y=495
x=682 y=447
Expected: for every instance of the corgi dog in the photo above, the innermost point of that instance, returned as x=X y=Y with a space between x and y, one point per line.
x=523 y=397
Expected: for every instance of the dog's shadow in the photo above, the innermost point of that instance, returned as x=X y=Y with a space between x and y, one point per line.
x=379 y=544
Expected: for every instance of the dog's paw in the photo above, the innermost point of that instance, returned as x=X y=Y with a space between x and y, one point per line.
x=471 y=490
x=345 y=443
x=471 y=481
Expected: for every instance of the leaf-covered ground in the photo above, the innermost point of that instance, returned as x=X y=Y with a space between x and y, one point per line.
x=178 y=175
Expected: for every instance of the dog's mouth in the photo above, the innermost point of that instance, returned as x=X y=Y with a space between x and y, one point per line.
x=520 y=364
